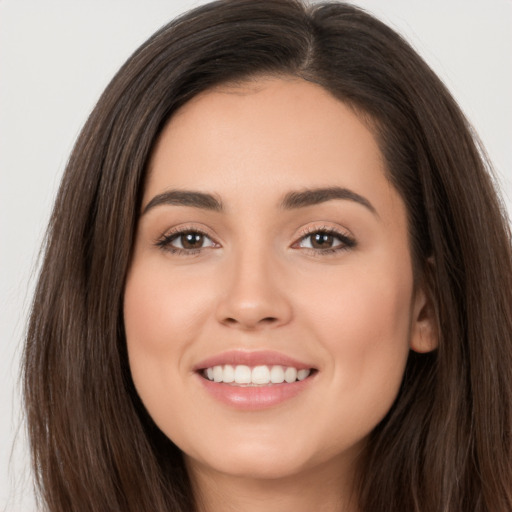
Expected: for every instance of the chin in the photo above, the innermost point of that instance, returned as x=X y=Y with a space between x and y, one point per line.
x=259 y=465
x=262 y=459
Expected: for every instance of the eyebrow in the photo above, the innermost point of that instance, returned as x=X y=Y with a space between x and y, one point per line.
x=291 y=201
x=310 y=197
x=185 y=198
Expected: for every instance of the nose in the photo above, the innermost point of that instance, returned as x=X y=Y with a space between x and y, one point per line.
x=254 y=294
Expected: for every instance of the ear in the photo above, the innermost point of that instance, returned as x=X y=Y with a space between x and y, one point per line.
x=424 y=325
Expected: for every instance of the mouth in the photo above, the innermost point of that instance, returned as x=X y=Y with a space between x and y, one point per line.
x=255 y=380
x=241 y=375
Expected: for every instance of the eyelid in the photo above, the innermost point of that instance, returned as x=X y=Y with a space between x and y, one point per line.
x=347 y=239
x=164 y=241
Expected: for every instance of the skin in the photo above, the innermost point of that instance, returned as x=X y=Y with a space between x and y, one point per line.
x=257 y=283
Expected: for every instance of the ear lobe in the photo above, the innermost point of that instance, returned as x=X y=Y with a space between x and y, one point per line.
x=424 y=326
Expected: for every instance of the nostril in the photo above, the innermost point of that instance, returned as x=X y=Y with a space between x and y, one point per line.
x=263 y=321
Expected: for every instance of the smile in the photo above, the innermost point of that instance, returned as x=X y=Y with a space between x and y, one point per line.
x=254 y=380
x=257 y=376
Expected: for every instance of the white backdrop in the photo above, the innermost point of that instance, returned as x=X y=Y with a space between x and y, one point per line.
x=56 y=56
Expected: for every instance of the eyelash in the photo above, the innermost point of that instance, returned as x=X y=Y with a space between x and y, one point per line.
x=347 y=242
x=165 y=241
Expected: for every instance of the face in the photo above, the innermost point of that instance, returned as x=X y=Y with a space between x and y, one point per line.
x=270 y=304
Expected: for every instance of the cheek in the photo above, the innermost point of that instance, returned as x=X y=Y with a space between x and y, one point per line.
x=371 y=306
x=364 y=324
x=162 y=316
x=160 y=311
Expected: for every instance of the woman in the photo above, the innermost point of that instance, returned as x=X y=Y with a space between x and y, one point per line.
x=277 y=275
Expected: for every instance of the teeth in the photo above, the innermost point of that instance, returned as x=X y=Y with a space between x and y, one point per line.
x=290 y=374
x=302 y=374
x=260 y=375
x=242 y=374
x=228 y=374
x=277 y=375
x=217 y=374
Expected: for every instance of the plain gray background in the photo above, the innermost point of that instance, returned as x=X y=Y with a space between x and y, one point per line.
x=57 y=56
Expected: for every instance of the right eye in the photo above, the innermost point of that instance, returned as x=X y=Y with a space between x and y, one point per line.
x=186 y=242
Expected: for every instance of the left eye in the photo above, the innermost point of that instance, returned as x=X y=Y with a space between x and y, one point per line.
x=325 y=240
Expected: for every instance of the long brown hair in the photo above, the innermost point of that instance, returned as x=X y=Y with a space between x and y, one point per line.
x=446 y=443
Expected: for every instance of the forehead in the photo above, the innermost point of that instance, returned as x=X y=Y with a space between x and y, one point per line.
x=266 y=137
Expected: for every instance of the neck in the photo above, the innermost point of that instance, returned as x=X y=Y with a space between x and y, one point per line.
x=324 y=489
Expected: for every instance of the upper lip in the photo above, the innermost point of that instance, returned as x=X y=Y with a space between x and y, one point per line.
x=251 y=358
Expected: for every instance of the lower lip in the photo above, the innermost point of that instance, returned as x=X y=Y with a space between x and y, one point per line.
x=253 y=398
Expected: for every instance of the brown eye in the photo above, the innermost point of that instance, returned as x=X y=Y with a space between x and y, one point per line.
x=186 y=242
x=191 y=240
x=326 y=241
x=322 y=241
